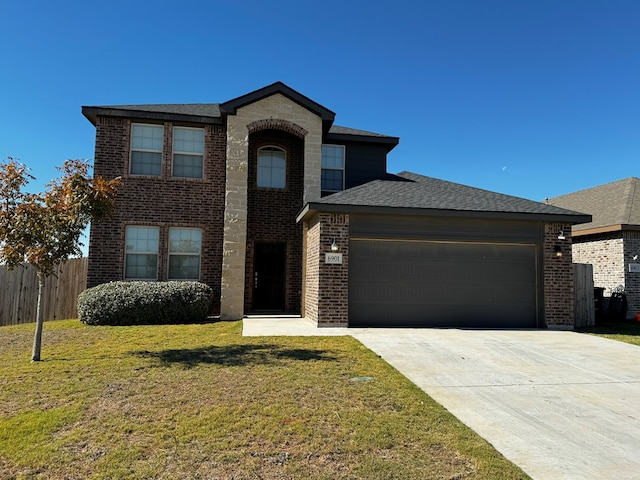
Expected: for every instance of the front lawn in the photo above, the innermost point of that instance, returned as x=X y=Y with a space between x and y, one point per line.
x=201 y=401
x=627 y=331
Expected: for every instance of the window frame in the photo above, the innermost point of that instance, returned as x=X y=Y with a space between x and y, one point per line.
x=272 y=148
x=141 y=252
x=192 y=154
x=342 y=169
x=132 y=149
x=184 y=254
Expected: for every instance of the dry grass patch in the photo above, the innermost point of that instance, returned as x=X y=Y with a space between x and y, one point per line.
x=201 y=401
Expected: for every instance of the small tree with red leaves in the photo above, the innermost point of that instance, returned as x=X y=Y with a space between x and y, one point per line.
x=44 y=229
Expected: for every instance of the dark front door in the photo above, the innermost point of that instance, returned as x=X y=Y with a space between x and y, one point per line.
x=269 y=276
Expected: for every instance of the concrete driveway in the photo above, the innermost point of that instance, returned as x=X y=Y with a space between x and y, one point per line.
x=560 y=405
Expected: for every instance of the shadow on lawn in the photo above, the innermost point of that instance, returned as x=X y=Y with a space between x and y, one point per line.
x=234 y=355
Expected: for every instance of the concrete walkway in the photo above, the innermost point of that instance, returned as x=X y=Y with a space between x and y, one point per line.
x=560 y=405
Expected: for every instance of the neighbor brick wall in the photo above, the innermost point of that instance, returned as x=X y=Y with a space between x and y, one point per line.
x=158 y=201
x=271 y=215
x=632 y=279
x=606 y=253
x=610 y=254
x=327 y=285
x=558 y=278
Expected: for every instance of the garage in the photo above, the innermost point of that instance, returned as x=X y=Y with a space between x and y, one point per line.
x=409 y=283
x=414 y=251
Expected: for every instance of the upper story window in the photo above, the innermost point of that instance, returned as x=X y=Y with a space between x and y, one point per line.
x=272 y=167
x=185 y=245
x=188 y=148
x=141 y=253
x=146 y=149
x=332 y=178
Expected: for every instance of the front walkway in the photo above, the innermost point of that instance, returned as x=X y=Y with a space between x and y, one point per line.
x=560 y=405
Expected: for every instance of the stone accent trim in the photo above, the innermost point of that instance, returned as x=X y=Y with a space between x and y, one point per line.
x=277 y=124
x=273 y=110
x=558 y=277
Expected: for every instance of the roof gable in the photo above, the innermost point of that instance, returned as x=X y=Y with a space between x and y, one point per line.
x=232 y=106
x=410 y=193
x=613 y=206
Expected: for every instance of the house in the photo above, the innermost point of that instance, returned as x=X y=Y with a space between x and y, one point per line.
x=279 y=210
x=611 y=240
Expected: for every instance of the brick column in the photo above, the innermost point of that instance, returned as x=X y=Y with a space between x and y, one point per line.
x=326 y=284
x=558 y=278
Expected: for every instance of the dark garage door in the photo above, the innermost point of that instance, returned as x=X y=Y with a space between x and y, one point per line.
x=442 y=284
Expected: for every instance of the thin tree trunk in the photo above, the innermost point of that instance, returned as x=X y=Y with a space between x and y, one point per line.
x=37 y=338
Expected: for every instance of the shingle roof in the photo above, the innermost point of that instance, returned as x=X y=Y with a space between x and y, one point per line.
x=199 y=109
x=612 y=204
x=425 y=195
x=200 y=112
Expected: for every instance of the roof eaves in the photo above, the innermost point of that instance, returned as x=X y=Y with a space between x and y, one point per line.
x=569 y=217
x=390 y=142
x=92 y=114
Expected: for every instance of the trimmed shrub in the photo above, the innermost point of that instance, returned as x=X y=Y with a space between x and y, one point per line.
x=144 y=303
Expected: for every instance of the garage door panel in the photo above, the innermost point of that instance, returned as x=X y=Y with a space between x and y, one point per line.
x=408 y=283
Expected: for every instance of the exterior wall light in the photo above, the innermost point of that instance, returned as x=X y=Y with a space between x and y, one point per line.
x=557 y=251
x=334 y=246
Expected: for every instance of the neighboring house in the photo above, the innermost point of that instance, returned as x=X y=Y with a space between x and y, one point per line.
x=279 y=210
x=611 y=241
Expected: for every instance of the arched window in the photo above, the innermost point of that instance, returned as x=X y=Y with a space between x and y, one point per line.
x=272 y=167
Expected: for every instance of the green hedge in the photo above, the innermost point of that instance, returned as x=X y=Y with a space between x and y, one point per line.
x=144 y=303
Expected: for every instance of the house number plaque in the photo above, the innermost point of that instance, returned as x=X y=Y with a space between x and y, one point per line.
x=634 y=268
x=335 y=258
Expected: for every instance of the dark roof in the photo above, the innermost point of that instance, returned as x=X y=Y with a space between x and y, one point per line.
x=185 y=112
x=214 y=112
x=410 y=193
x=325 y=114
x=613 y=206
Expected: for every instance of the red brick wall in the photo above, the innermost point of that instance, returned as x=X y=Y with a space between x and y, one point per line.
x=312 y=268
x=271 y=215
x=333 y=297
x=158 y=201
x=327 y=285
x=558 y=277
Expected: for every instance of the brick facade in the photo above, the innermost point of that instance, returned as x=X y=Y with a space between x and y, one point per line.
x=558 y=277
x=163 y=201
x=610 y=254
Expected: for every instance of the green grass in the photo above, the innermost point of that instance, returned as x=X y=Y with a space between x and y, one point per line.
x=201 y=401
x=628 y=332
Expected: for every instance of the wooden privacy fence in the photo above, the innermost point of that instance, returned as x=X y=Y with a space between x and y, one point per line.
x=19 y=292
x=584 y=305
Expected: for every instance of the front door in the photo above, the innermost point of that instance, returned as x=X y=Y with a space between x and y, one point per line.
x=269 y=276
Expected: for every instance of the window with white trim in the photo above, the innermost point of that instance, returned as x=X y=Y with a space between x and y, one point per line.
x=188 y=148
x=332 y=176
x=146 y=149
x=272 y=167
x=141 y=253
x=185 y=245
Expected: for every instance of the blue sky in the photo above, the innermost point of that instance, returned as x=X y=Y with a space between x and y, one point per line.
x=528 y=98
